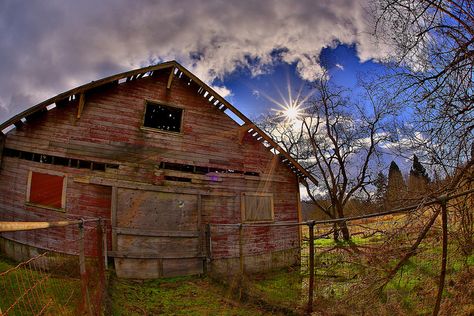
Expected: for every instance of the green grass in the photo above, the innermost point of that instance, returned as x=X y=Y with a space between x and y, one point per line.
x=340 y=275
x=37 y=290
x=281 y=288
x=174 y=296
x=356 y=240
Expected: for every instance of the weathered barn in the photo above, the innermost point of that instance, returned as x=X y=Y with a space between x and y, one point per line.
x=160 y=155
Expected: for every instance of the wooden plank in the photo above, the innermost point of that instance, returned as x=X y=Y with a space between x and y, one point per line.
x=154 y=233
x=2 y=146
x=177 y=267
x=20 y=226
x=149 y=187
x=138 y=268
x=170 y=78
x=300 y=215
x=80 y=107
x=199 y=224
x=144 y=255
x=175 y=247
x=19 y=124
x=113 y=214
x=156 y=210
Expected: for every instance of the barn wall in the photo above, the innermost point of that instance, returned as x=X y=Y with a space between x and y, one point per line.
x=109 y=131
x=82 y=201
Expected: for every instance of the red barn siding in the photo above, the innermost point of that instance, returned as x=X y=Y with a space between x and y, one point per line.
x=109 y=131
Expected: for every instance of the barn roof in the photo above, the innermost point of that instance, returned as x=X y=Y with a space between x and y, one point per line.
x=177 y=71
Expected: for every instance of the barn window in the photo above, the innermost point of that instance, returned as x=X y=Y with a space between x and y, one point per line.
x=163 y=117
x=46 y=190
x=257 y=207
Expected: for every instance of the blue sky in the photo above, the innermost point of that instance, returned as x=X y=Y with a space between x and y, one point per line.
x=248 y=92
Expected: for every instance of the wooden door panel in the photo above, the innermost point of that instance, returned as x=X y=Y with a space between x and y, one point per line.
x=162 y=247
x=157 y=210
x=157 y=234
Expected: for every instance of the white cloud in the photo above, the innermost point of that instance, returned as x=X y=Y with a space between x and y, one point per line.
x=49 y=47
x=341 y=67
x=222 y=91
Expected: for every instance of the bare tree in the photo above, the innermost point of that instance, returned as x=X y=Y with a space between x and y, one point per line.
x=432 y=45
x=337 y=140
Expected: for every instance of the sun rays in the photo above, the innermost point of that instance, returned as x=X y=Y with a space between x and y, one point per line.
x=290 y=107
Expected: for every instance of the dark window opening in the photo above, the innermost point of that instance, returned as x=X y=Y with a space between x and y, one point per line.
x=74 y=163
x=60 y=161
x=178 y=179
x=250 y=173
x=46 y=159
x=36 y=157
x=201 y=169
x=85 y=164
x=98 y=166
x=163 y=117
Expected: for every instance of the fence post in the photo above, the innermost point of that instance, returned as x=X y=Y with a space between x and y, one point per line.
x=102 y=259
x=104 y=241
x=241 y=250
x=82 y=267
x=311 y=266
x=207 y=237
x=442 y=275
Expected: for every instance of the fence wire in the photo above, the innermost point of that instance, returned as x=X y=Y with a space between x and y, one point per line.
x=390 y=266
x=66 y=279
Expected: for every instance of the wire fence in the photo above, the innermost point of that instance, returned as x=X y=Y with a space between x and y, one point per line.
x=66 y=277
x=395 y=262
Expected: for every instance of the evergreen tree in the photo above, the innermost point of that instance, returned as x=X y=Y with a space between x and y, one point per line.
x=380 y=184
x=418 y=178
x=417 y=170
x=396 y=187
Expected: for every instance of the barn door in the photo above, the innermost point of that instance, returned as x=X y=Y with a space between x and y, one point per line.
x=157 y=234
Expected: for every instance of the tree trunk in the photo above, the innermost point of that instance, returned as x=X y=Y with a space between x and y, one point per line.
x=345 y=231
x=343 y=225
x=336 y=232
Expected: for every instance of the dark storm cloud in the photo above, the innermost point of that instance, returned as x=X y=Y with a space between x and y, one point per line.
x=49 y=46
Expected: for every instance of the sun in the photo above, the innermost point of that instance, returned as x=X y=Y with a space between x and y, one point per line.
x=292 y=112
x=291 y=108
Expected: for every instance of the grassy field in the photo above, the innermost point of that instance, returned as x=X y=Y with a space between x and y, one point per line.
x=31 y=291
x=350 y=279
x=176 y=296
x=339 y=290
x=349 y=283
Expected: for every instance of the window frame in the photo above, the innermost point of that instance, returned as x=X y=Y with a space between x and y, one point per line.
x=154 y=129
x=243 y=207
x=63 y=193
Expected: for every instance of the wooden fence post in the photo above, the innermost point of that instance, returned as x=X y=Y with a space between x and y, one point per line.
x=442 y=274
x=311 y=267
x=241 y=250
x=104 y=242
x=83 y=272
x=207 y=237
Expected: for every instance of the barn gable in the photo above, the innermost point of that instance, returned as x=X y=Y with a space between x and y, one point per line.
x=158 y=180
x=79 y=95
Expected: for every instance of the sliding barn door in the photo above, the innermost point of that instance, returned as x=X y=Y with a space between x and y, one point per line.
x=157 y=234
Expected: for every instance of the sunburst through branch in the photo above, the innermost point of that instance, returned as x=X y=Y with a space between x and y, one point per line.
x=291 y=107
